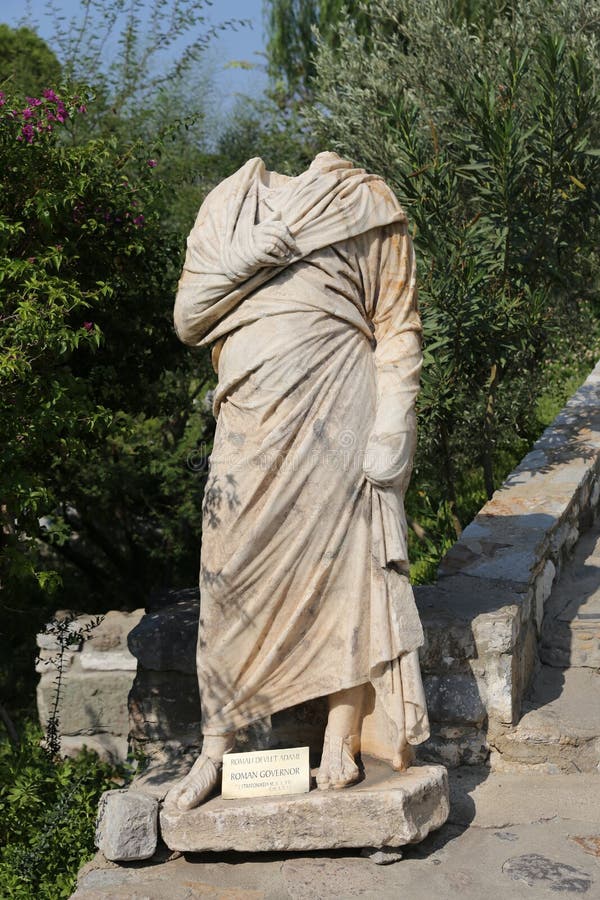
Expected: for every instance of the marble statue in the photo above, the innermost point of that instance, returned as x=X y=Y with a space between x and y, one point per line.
x=305 y=287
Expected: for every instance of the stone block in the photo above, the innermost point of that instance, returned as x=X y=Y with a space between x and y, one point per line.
x=387 y=809
x=448 y=645
x=455 y=745
x=164 y=707
x=499 y=546
x=595 y=492
x=165 y=639
x=127 y=825
x=49 y=642
x=111 y=634
x=46 y=661
x=497 y=632
x=106 y=647
x=111 y=748
x=107 y=660
x=454 y=698
x=495 y=677
x=90 y=702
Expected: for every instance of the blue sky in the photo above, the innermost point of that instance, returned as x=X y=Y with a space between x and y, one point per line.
x=244 y=44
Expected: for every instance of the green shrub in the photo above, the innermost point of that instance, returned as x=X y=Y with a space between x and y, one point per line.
x=47 y=816
x=486 y=127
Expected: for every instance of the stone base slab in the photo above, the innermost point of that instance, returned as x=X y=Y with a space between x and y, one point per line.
x=387 y=809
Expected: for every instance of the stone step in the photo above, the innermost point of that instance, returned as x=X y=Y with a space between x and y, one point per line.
x=571 y=627
x=559 y=730
x=575 y=643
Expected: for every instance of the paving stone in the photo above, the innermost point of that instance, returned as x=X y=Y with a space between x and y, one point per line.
x=533 y=868
x=494 y=818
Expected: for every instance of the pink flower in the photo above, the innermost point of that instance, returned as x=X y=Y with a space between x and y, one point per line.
x=27 y=133
x=89 y=326
x=82 y=108
x=139 y=220
x=2 y=98
x=33 y=101
x=152 y=163
x=27 y=113
x=50 y=95
x=61 y=112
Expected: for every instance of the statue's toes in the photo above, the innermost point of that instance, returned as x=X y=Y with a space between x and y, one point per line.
x=189 y=798
x=172 y=797
x=198 y=784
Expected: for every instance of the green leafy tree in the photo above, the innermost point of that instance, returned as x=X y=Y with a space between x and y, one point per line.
x=27 y=64
x=295 y=28
x=486 y=128
x=292 y=27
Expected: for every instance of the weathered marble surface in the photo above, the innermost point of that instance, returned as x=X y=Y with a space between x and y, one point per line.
x=386 y=810
x=306 y=287
x=164 y=701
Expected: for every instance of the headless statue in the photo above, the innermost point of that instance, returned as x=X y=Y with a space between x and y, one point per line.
x=305 y=287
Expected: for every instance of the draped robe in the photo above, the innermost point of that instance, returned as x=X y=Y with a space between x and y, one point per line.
x=303 y=575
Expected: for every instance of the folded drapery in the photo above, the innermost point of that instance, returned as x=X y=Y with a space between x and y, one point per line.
x=304 y=554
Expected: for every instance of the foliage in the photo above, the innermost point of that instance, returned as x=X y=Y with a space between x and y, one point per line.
x=27 y=64
x=263 y=128
x=48 y=804
x=150 y=78
x=486 y=128
x=292 y=28
x=47 y=813
x=99 y=406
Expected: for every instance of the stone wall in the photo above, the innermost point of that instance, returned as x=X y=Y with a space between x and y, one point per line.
x=484 y=615
x=97 y=676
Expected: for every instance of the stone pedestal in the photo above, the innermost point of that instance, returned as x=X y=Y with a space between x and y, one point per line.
x=387 y=809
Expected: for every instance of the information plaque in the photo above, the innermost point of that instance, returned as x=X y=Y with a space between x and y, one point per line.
x=266 y=773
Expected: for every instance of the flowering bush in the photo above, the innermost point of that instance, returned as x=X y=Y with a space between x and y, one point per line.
x=40 y=114
x=92 y=415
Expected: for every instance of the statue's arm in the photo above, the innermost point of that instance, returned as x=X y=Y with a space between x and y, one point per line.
x=225 y=249
x=398 y=360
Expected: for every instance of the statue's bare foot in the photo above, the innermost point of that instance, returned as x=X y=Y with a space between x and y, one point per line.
x=202 y=778
x=193 y=790
x=338 y=767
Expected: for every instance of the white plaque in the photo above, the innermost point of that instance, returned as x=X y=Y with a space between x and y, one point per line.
x=266 y=773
